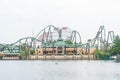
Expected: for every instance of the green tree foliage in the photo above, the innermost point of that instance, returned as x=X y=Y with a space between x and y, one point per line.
x=101 y=55
x=68 y=41
x=32 y=52
x=116 y=46
x=24 y=53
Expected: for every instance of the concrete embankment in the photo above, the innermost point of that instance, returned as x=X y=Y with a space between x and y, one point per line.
x=62 y=57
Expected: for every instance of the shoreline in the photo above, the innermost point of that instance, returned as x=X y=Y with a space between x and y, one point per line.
x=53 y=57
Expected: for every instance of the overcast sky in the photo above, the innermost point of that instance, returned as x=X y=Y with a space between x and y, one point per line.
x=22 y=18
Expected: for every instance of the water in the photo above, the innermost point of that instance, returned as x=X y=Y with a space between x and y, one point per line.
x=59 y=70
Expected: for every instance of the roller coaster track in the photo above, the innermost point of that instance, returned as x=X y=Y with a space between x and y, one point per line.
x=110 y=38
x=74 y=37
x=99 y=41
x=100 y=36
x=26 y=42
x=31 y=41
x=46 y=33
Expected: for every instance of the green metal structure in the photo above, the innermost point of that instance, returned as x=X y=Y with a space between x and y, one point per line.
x=44 y=39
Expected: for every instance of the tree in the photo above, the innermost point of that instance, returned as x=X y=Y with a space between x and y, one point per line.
x=115 y=50
x=32 y=52
x=68 y=41
x=101 y=55
x=24 y=54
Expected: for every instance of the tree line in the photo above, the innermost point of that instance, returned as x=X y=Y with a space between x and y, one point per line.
x=113 y=51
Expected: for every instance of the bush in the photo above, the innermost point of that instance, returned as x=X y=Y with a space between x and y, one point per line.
x=24 y=54
x=116 y=46
x=32 y=52
x=101 y=55
x=68 y=41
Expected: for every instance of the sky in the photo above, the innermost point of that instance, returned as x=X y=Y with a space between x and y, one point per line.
x=22 y=18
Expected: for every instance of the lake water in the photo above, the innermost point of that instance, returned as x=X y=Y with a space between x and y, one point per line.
x=59 y=70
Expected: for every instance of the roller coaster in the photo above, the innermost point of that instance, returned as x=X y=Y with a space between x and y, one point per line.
x=43 y=43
